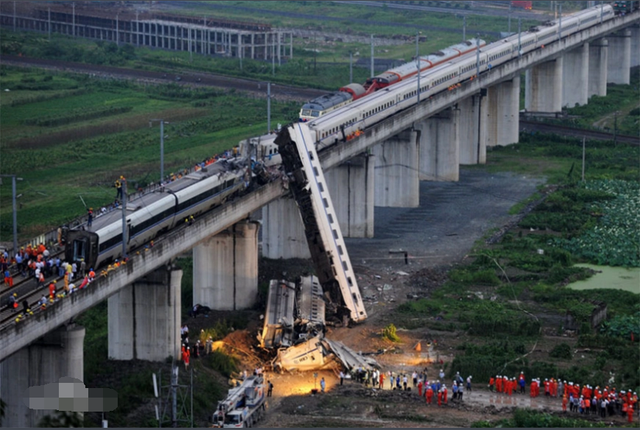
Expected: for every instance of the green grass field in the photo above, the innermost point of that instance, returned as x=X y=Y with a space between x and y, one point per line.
x=65 y=165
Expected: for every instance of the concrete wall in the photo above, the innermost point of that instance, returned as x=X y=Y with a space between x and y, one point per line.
x=439 y=153
x=472 y=130
x=543 y=91
x=396 y=174
x=503 y=113
x=575 y=77
x=225 y=268
x=619 y=63
x=282 y=231
x=598 y=67
x=145 y=317
x=58 y=354
x=352 y=189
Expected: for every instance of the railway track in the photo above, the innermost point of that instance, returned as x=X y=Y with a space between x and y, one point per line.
x=279 y=91
x=563 y=130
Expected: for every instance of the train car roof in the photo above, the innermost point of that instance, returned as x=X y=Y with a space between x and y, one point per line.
x=101 y=221
x=326 y=101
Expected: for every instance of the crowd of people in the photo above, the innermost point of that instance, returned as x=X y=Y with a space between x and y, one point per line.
x=580 y=399
x=37 y=262
x=585 y=399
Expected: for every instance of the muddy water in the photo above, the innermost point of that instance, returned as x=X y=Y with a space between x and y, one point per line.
x=610 y=277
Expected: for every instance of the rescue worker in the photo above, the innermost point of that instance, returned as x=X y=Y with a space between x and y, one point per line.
x=52 y=290
x=429 y=394
x=13 y=302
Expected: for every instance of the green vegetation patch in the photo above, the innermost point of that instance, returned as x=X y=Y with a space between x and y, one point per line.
x=523 y=418
x=615 y=239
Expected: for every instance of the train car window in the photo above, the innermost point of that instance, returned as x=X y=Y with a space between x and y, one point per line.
x=330 y=218
x=340 y=250
x=349 y=281
x=326 y=203
x=315 y=171
x=344 y=265
x=321 y=187
x=111 y=242
x=335 y=234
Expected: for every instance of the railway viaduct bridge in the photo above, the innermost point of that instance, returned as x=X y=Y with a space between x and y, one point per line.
x=382 y=167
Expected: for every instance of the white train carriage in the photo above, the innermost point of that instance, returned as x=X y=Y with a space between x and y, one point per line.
x=337 y=125
x=154 y=213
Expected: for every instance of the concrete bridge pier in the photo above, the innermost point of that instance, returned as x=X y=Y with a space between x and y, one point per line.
x=598 y=67
x=225 y=268
x=145 y=317
x=397 y=183
x=619 y=63
x=575 y=76
x=503 y=113
x=635 y=45
x=283 y=231
x=439 y=146
x=351 y=186
x=543 y=91
x=58 y=354
x=473 y=129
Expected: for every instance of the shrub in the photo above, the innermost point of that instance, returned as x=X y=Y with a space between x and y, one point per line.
x=222 y=362
x=562 y=350
x=389 y=332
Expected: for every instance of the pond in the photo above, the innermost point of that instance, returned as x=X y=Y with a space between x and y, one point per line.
x=611 y=277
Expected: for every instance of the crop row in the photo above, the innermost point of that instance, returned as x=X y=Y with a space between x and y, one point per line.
x=77 y=115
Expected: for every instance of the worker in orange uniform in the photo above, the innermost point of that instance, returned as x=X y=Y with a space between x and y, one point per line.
x=440 y=397
x=186 y=354
x=92 y=275
x=564 y=403
x=429 y=393
x=52 y=290
x=8 y=279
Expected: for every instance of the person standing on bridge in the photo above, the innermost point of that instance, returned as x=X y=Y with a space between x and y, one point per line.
x=52 y=290
x=89 y=217
x=118 y=186
x=13 y=302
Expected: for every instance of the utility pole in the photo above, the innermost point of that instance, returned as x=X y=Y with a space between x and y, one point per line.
x=268 y=107
x=615 y=128
x=117 y=29
x=418 y=62
x=509 y=29
x=73 y=5
x=464 y=28
x=15 y=215
x=124 y=219
x=190 y=47
x=519 y=37
x=584 y=140
x=372 y=71
x=273 y=58
x=350 y=67
x=560 y=24
x=478 y=56
x=174 y=397
x=137 y=30
x=162 y=123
